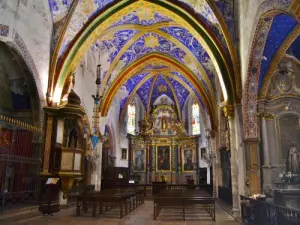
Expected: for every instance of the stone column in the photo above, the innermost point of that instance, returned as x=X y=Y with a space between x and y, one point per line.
x=97 y=167
x=214 y=162
x=266 y=167
x=229 y=113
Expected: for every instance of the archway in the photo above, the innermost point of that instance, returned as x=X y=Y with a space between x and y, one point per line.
x=20 y=134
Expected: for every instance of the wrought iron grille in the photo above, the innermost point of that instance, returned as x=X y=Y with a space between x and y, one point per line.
x=256 y=212
x=20 y=161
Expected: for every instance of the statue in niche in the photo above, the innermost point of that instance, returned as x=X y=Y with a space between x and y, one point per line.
x=164 y=123
x=293 y=159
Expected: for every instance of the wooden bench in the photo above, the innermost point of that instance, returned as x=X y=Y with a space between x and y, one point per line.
x=183 y=199
x=127 y=200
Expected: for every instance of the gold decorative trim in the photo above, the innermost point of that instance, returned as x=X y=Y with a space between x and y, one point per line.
x=295 y=9
x=280 y=54
x=20 y=124
x=266 y=116
x=170 y=156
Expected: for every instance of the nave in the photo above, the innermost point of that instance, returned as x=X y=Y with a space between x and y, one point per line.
x=141 y=216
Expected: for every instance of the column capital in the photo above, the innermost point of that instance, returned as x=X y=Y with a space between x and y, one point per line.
x=252 y=140
x=228 y=111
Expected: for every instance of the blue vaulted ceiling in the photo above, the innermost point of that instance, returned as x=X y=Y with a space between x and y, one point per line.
x=281 y=27
x=143 y=31
x=160 y=81
x=144 y=91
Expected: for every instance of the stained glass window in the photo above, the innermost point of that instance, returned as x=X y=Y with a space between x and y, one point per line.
x=131 y=119
x=195 y=118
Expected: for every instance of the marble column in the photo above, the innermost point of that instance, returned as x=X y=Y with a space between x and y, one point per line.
x=229 y=113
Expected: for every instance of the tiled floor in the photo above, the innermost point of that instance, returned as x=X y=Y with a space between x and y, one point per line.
x=141 y=216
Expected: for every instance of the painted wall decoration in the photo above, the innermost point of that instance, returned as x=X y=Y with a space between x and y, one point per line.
x=163 y=158
x=139 y=158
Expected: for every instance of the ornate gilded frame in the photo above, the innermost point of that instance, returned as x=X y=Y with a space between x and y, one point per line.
x=145 y=159
x=183 y=157
x=170 y=157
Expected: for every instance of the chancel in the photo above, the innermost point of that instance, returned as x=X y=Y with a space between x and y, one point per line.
x=150 y=111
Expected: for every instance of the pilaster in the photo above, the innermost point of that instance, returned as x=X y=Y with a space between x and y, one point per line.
x=213 y=140
x=233 y=115
x=48 y=142
x=253 y=165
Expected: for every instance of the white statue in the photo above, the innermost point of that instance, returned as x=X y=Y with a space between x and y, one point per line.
x=293 y=159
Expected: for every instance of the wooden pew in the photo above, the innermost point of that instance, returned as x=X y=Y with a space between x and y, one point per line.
x=183 y=199
x=126 y=199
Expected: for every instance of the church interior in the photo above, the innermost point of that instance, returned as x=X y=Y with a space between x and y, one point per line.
x=150 y=112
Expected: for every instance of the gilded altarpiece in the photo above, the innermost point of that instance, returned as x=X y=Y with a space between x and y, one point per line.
x=167 y=152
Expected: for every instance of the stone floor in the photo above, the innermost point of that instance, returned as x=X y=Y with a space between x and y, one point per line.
x=141 y=216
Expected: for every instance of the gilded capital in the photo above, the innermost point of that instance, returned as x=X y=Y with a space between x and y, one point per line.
x=228 y=111
x=266 y=116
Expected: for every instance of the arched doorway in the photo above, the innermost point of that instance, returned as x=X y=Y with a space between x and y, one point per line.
x=20 y=135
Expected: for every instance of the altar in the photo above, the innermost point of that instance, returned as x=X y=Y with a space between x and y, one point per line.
x=168 y=154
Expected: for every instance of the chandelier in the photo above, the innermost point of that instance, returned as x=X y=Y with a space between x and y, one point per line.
x=96 y=135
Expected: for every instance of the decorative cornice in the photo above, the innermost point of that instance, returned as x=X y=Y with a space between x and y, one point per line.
x=266 y=116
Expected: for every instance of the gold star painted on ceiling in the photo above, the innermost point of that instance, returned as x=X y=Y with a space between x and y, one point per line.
x=187 y=59
x=145 y=14
x=151 y=42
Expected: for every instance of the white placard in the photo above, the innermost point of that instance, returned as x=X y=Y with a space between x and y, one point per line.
x=77 y=161
x=60 y=131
